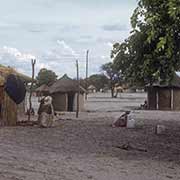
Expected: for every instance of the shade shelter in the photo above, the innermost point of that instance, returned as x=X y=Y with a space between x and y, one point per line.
x=64 y=93
x=164 y=96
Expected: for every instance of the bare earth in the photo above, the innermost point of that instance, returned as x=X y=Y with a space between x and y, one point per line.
x=89 y=148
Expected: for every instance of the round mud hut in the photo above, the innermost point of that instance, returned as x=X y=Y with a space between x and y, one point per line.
x=92 y=89
x=64 y=93
x=164 y=96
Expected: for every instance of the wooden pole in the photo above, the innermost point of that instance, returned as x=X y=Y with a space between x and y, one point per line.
x=33 y=62
x=157 y=99
x=172 y=99
x=87 y=64
x=77 y=109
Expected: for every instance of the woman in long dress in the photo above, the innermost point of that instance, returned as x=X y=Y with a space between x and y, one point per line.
x=46 y=112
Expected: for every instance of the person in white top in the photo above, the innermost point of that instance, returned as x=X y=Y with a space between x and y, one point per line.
x=46 y=112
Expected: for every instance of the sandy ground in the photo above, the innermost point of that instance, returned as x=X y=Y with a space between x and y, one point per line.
x=88 y=147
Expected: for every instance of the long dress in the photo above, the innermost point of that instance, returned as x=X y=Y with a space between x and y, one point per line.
x=46 y=114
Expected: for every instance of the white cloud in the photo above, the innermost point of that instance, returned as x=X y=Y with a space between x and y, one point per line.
x=9 y=51
x=114 y=27
x=110 y=44
x=40 y=65
x=56 y=38
x=5 y=25
x=13 y=57
x=103 y=57
x=67 y=48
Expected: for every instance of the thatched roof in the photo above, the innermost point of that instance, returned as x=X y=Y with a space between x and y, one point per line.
x=5 y=71
x=65 y=84
x=91 y=87
x=42 y=88
x=175 y=82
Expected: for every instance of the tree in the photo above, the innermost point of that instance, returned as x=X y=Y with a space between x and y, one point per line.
x=122 y=59
x=46 y=76
x=158 y=22
x=98 y=80
x=152 y=51
x=112 y=74
x=130 y=59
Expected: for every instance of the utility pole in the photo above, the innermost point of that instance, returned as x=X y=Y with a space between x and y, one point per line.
x=87 y=64
x=77 y=109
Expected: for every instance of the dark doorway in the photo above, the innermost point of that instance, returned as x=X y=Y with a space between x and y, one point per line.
x=70 y=101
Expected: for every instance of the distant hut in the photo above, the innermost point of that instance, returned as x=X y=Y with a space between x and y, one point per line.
x=9 y=110
x=164 y=96
x=105 y=89
x=64 y=93
x=91 y=89
x=43 y=90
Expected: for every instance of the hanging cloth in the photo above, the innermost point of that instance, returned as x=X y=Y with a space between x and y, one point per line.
x=15 y=88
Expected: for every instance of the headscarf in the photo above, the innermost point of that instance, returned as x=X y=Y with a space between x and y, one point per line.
x=48 y=100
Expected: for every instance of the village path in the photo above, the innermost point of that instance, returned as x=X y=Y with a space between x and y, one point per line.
x=89 y=148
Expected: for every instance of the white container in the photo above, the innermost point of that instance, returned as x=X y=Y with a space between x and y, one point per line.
x=160 y=129
x=129 y=117
x=131 y=123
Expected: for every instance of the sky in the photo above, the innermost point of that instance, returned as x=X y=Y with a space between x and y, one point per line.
x=57 y=32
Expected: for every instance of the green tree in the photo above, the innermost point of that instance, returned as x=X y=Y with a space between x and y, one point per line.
x=122 y=59
x=98 y=80
x=46 y=76
x=130 y=59
x=158 y=22
x=152 y=52
x=111 y=72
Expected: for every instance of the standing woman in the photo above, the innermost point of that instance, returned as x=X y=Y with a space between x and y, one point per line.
x=46 y=112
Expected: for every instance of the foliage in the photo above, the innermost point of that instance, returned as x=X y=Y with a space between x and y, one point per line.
x=46 y=76
x=152 y=52
x=98 y=80
x=113 y=74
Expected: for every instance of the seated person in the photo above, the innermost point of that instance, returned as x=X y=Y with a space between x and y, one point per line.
x=122 y=120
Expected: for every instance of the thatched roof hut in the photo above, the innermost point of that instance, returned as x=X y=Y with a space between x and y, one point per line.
x=64 y=93
x=5 y=71
x=9 y=110
x=91 y=89
x=42 y=90
x=164 y=96
x=65 y=84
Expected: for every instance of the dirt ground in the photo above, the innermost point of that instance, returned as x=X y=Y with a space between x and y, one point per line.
x=88 y=148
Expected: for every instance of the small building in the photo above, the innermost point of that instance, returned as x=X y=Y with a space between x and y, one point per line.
x=9 y=110
x=92 y=89
x=164 y=96
x=43 y=90
x=64 y=93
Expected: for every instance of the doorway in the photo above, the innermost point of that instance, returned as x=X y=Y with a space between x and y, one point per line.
x=70 y=102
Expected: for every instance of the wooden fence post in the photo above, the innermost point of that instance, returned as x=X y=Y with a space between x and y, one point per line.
x=77 y=109
x=33 y=62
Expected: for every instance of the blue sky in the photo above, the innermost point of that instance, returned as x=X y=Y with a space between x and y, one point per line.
x=57 y=32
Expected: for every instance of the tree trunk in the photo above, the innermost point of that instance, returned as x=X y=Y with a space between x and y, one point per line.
x=112 y=91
